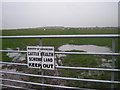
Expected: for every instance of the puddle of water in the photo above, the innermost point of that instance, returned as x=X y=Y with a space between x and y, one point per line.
x=12 y=55
x=89 y=48
x=16 y=56
x=59 y=55
x=86 y=48
x=106 y=65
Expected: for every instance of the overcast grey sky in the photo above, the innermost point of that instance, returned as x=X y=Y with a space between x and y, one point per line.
x=75 y=14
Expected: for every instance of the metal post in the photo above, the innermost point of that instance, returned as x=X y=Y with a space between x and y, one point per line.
x=40 y=42
x=42 y=71
x=113 y=63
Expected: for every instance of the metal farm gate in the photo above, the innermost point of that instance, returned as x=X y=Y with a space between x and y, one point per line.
x=112 y=70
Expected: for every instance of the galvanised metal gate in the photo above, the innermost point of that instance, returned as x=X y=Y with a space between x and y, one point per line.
x=112 y=70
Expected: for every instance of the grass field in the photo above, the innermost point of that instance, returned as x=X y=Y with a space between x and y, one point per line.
x=69 y=60
x=22 y=43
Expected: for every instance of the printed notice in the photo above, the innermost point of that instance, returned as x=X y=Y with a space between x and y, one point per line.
x=40 y=57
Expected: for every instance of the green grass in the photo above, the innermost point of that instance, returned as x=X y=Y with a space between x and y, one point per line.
x=57 y=41
x=81 y=60
x=61 y=32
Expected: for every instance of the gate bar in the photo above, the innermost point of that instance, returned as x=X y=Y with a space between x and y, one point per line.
x=69 y=53
x=63 y=78
x=66 y=67
x=64 y=36
x=42 y=71
x=47 y=85
x=15 y=87
x=113 y=63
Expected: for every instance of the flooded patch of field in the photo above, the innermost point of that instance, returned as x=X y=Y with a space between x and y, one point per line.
x=86 y=48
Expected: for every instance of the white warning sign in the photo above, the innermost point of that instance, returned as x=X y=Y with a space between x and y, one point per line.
x=40 y=57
